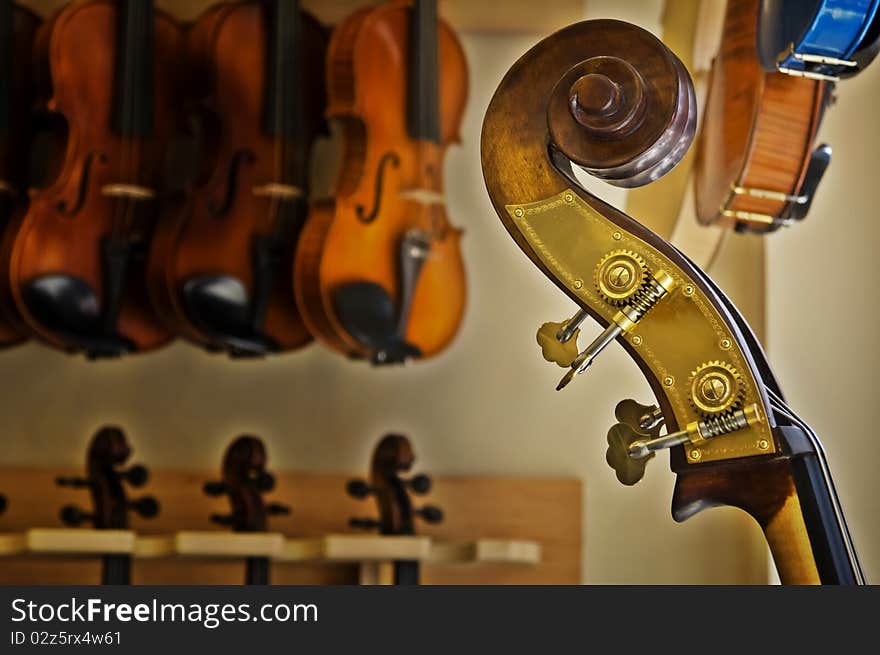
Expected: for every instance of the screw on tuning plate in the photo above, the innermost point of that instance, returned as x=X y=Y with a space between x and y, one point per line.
x=558 y=341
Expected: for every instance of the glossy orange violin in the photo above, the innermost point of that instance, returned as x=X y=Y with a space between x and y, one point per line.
x=378 y=273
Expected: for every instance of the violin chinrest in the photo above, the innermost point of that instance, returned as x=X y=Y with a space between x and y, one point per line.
x=780 y=24
x=368 y=314
x=68 y=306
x=221 y=307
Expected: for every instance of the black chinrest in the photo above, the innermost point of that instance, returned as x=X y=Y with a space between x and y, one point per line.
x=221 y=307
x=368 y=314
x=68 y=306
x=781 y=23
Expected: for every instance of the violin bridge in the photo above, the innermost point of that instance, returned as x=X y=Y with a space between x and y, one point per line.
x=277 y=191
x=131 y=191
x=423 y=196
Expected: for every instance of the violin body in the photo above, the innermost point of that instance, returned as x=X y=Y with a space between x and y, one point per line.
x=389 y=188
x=757 y=168
x=76 y=263
x=19 y=27
x=818 y=39
x=263 y=93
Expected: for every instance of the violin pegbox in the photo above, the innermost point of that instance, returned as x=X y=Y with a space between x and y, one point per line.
x=244 y=481
x=104 y=479
x=392 y=457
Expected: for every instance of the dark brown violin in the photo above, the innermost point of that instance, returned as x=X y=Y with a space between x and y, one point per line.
x=245 y=480
x=76 y=267
x=392 y=458
x=221 y=273
x=18 y=28
x=378 y=272
x=106 y=481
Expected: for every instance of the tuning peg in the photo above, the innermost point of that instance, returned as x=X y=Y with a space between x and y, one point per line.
x=364 y=524
x=278 y=509
x=76 y=483
x=215 y=488
x=431 y=514
x=646 y=419
x=558 y=341
x=358 y=489
x=136 y=476
x=265 y=482
x=74 y=516
x=2 y=504
x=146 y=507
x=222 y=519
x=629 y=470
x=658 y=287
x=420 y=484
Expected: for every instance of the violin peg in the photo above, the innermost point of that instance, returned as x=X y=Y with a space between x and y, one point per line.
x=265 y=482
x=358 y=489
x=363 y=524
x=136 y=476
x=73 y=516
x=146 y=507
x=278 y=509
x=420 y=484
x=215 y=488
x=76 y=483
x=431 y=514
x=222 y=519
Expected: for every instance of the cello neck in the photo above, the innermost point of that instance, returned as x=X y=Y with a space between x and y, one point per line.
x=423 y=94
x=134 y=79
x=792 y=498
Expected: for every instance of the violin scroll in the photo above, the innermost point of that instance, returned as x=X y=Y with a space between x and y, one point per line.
x=107 y=451
x=393 y=457
x=245 y=480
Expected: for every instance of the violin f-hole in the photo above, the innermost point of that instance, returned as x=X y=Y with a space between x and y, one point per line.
x=83 y=186
x=242 y=156
x=387 y=158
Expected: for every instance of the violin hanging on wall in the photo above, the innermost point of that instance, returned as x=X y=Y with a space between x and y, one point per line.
x=378 y=272
x=18 y=28
x=757 y=167
x=576 y=98
x=105 y=482
x=244 y=481
x=392 y=458
x=818 y=39
x=221 y=273
x=76 y=267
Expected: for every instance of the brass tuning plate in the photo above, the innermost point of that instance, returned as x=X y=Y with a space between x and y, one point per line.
x=678 y=336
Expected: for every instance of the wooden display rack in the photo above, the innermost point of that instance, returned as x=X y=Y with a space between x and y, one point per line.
x=497 y=531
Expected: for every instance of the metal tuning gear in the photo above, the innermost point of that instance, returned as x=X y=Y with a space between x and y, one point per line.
x=641 y=301
x=630 y=449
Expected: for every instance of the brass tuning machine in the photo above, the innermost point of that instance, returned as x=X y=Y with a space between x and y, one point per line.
x=558 y=341
x=633 y=441
x=636 y=423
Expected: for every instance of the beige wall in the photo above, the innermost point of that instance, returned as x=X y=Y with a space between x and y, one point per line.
x=823 y=312
x=485 y=407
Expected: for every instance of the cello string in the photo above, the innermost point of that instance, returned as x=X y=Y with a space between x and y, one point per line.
x=782 y=407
